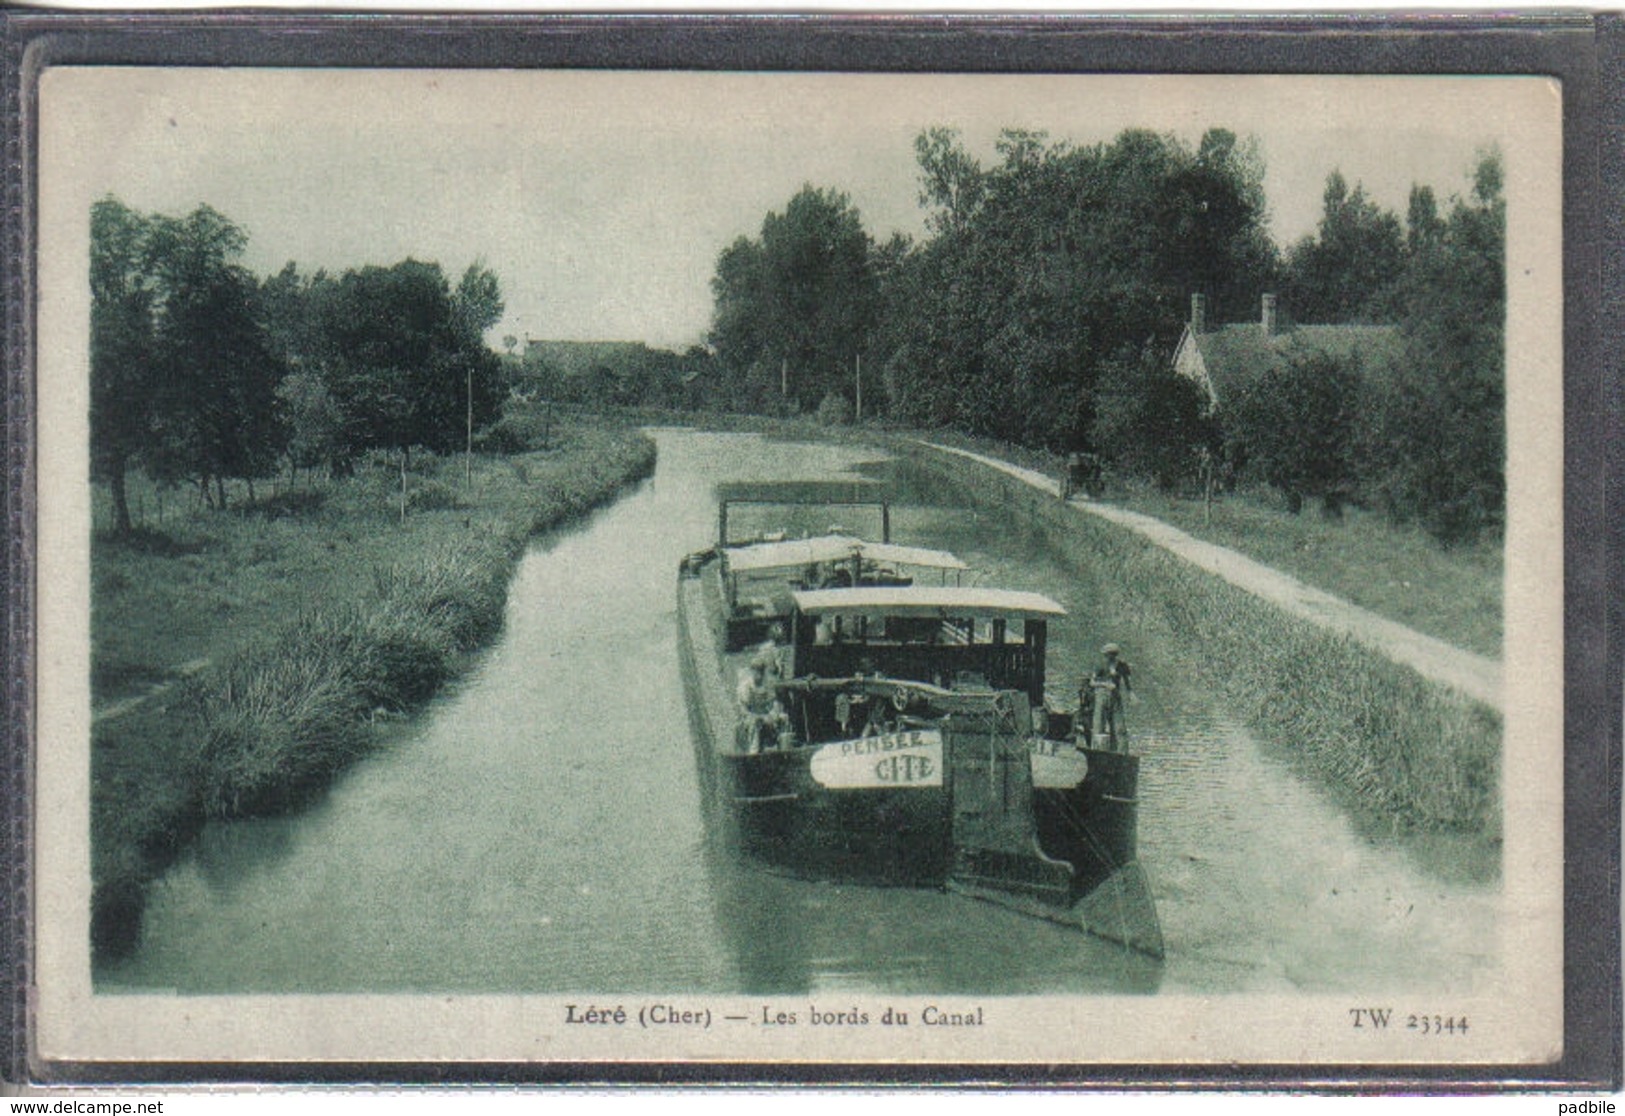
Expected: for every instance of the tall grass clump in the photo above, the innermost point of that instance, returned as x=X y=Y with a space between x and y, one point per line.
x=1393 y=744
x=577 y=488
x=1373 y=730
x=457 y=589
x=279 y=718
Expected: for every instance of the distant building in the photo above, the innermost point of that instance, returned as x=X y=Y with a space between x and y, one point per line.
x=1226 y=361
x=579 y=358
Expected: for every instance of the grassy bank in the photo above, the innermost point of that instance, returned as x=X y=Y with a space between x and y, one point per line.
x=1398 y=572
x=1394 y=746
x=289 y=632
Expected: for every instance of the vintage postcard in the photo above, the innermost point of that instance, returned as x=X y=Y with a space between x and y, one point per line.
x=607 y=566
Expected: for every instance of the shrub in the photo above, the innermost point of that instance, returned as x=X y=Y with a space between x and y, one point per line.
x=517 y=431
x=834 y=410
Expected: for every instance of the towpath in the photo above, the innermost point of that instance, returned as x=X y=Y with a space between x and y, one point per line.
x=1476 y=676
x=121 y=707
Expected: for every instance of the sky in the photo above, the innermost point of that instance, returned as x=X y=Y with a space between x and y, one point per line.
x=602 y=199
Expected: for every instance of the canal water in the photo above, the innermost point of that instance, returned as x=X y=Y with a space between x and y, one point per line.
x=539 y=829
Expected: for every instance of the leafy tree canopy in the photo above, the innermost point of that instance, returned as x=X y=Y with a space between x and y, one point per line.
x=1058 y=262
x=794 y=307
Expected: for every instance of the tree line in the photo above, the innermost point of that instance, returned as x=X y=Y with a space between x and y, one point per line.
x=1043 y=305
x=201 y=373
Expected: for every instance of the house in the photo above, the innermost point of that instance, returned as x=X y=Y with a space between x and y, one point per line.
x=1227 y=360
x=570 y=359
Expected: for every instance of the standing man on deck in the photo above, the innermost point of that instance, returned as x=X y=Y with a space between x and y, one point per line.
x=1106 y=691
x=762 y=715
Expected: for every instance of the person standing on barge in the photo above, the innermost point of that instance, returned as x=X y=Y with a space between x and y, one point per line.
x=1110 y=687
x=762 y=718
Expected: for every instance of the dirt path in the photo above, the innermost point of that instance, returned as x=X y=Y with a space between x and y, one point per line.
x=1474 y=675
x=124 y=705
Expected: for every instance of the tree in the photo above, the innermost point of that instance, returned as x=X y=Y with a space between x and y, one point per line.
x=1423 y=225
x=216 y=404
x=741 y=319
x=1149 y=419
x=950 y=180
x=1435 y=434
x=1344 y=273
x=315 y=425
x=123 y=363
x=478 y=301
x=799 y=301
x=1295 y=429
x=403 y=356
x=1056 y=263
x=184 y=374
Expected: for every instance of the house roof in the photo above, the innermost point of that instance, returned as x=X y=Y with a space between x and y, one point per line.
x=1235 y=356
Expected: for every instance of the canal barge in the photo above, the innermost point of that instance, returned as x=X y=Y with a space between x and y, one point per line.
x=860 y=715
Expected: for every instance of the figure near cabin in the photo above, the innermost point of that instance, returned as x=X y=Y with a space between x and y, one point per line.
x=762 y=719
x=1101 y=697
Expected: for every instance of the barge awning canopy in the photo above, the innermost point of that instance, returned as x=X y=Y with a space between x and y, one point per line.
x=924 y=600
x=834 y=548
x=856 y=491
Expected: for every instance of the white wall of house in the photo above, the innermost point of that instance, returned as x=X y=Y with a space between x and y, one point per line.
x=1188 y=363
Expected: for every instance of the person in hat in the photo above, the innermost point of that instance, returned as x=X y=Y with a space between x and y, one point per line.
x=761 y=715
x=1101 y=696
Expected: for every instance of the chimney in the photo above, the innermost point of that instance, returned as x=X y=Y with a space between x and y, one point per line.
x=1198 y=313
x=1268 y=322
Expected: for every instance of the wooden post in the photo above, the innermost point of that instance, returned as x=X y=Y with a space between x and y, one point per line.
x=857 y=375
x=403 y=484
x=1207 y=486
x=468 y=471
x=1037 y=639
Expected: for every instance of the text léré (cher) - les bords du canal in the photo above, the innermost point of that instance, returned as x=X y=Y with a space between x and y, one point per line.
x=664 y=1013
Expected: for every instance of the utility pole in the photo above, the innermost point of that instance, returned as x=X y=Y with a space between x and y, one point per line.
x=468 y=468
x=784 y=375
x=857 y=408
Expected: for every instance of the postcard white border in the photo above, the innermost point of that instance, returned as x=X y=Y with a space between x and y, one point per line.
x=1519 y=1022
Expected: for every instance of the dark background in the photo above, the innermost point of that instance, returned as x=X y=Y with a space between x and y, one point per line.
x=1585 y=51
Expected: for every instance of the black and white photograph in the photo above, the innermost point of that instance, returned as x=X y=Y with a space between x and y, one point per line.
x=878 y=568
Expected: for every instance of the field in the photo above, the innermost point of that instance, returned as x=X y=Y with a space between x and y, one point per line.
x=241 y=658
x=1396 y=572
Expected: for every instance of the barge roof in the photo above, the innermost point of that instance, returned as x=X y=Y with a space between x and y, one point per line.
x=834 y=548
x=856 y=491
x=925 y=600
